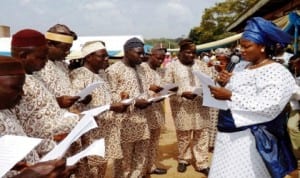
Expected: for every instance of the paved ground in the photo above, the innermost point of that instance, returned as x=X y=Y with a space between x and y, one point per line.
x=168 y=154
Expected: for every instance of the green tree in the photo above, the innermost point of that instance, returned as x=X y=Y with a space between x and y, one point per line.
x=217 y=18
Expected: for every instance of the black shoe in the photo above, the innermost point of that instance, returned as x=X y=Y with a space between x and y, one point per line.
x=204 y=171
x=159 y=171
x=181 y=167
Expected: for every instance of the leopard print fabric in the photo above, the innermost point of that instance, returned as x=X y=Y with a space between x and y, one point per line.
x=123 y=78
x=155 y=116
x=9 y=125
x=108 y=125
x=56 y=79
x=187 y=114
x=40 y=114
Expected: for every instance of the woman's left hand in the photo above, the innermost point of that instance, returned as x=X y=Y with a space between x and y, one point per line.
x=220 y=93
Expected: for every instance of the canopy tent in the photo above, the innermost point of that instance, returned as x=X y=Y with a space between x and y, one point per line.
x=292 y=27
x=218 y=43
x=289 y=23
x=5 y=46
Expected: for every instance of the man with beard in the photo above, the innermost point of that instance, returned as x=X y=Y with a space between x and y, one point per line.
x=191 y=119
x=38 y=111
x=152 y=76
x=55 y=74
x=12 y=78
x=95 y=61
x=126 y=82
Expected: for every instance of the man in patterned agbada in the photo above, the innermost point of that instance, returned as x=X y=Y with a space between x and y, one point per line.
x=38 y=110
x=95 y=60
x=191 y=119
x=125 y=81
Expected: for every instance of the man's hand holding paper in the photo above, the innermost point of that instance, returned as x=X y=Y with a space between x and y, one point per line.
x=118 y=107
x=188 y=95
x=155 y=88
x=88 y=90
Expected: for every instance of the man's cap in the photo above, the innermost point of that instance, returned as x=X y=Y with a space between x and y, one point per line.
x=28 y=38
x=159 y=46
x=74 y=55
x=10 y=66
x=61 y=33
x=186 y=44
x=223 y=51
x=91 y=46
x=133 y=43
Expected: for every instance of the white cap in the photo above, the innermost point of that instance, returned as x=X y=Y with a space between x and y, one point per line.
x=74 y=55
x=223 y=51
x=91 y=46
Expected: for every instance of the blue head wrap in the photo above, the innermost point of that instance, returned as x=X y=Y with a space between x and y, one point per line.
x=264 y=32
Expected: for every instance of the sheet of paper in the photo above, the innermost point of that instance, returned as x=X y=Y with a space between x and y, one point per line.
x=96 y=111
x=167 y=87
x=96 y=148
x=69 y=114
x=157 y=98
x=198 y=91
x=88 y=90
x=13 y=149
x=208 y=100
x=86 y=123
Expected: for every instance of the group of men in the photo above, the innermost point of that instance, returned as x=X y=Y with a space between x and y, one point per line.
x=48 y=107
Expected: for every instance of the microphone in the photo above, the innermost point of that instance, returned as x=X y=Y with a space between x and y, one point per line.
x=233 y=61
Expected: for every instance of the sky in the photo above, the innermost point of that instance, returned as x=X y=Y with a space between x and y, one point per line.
x=148 y=18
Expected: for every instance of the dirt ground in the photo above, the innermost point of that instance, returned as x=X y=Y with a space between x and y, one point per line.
x=168 y=154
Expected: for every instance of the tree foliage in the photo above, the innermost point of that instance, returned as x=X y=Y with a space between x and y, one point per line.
x=215 y=20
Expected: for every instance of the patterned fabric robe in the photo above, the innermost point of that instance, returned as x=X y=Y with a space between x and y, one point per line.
x=134 y=130
x=149 y=77
x=56 y=78
x=134 y=124
x=9 y=125
x=40 y=114
x=187 y=114
x=213 y=112
x=108 y=124
x=155 y=115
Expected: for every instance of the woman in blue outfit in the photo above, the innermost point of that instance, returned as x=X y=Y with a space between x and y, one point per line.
x=252 y=140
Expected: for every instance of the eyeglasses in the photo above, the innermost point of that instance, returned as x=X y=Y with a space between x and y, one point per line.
x=103 y=56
